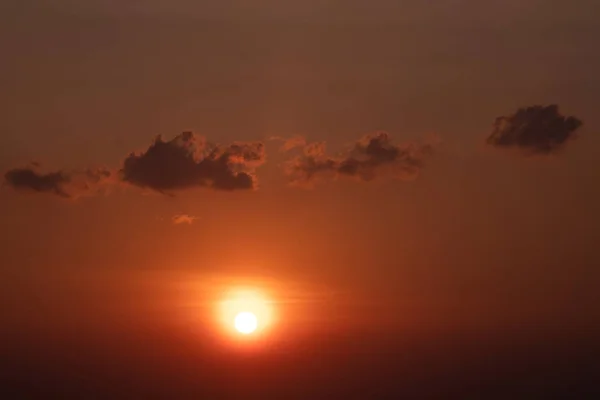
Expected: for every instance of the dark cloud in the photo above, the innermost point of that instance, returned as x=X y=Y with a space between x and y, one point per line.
x=536 y=129
x=61 y=183
x=184 y=162
x=187 y=161
x=371 y=157
x=28 y=179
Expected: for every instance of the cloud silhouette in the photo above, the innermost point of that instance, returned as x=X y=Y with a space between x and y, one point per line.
x=29 y=179
x=188 y=161
x=371 y=157
x=62 y=183
x=536 y=129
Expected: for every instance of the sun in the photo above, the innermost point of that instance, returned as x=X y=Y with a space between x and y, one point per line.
x=245 y=312
x=245 y=322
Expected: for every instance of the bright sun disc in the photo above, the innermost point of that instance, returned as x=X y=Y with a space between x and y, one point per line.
x=245 y=322
x=246 y=312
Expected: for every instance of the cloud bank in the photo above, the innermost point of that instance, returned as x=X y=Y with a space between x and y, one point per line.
x=188 y=161
x=536 y=130
x=373 y=156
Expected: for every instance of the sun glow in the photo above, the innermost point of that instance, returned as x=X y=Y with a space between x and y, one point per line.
x=245 y=312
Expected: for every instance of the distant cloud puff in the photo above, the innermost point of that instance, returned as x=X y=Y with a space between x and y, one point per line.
x=187 y=161
x=64 y=184
x=371 y=157
x=536 y=129
x=290 y=143
x=183 y=219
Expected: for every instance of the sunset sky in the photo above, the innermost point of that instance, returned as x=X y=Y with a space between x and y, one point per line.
x=345 y=160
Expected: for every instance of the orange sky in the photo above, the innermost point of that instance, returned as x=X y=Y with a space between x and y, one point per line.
x=479 y=235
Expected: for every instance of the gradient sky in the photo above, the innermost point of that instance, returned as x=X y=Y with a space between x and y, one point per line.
x=482 y=234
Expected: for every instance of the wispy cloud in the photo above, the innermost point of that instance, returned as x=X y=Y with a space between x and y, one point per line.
x=373 y=156
x=183 y=219
x=289 y=143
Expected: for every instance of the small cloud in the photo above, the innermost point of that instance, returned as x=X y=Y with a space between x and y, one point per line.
x=371 y=157
x=536 y=129
x=290 y=143
x=61 y=183
x=188 y=161
x=183 y=219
